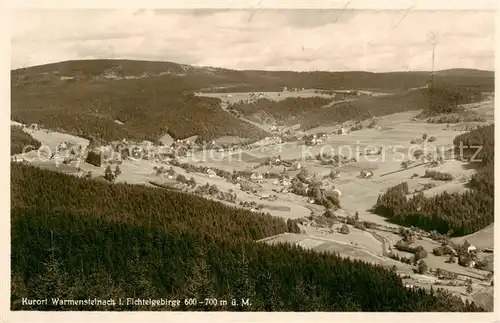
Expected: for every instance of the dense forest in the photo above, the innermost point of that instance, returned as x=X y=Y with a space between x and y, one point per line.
x=445 y=98
x=454 y=213
x=20 y=140
x=76 y=238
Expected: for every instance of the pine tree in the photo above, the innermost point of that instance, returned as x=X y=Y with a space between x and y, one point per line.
x=422 y=267
x=108 y=174
x=117 y=172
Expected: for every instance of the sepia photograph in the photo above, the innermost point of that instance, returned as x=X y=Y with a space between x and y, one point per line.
x=252 y=160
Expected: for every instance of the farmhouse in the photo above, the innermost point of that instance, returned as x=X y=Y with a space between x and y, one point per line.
x=366 y=174
x=211 y=173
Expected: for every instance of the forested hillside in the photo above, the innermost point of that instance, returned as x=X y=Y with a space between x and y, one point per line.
x=145 y=108
x=76 y=238
x=446 y=98
x=462 y=213
x=86 y=97
x=20 y=140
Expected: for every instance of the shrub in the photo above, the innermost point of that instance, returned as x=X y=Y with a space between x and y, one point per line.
x=108 y=174
x=439 y=176
x=359 y=226
x=422 y=267
x=192 y=182
x=451 y=260
x=329 y=213
x=431 y=139
x=421 y=254
x=418 y=153
x=118 y=171
x=344 y=229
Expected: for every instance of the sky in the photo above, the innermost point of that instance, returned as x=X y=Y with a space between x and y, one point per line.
x=297 y=40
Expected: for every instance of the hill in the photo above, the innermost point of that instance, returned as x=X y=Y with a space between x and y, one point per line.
x=454 y=213
x=74 y=238
x=86 y=97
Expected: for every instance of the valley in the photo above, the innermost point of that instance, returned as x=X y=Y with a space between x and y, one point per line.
x=257 y=175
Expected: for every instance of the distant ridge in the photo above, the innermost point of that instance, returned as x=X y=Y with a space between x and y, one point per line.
x=150 y=63
x=85 y=97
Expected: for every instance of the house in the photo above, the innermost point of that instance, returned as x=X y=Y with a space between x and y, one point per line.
x=366 y=174
x=62 y=145
x=265 y=196
x=170 y=173
x=257 y=177
x=471 y=248
x=211 y=173
x=296 y=166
